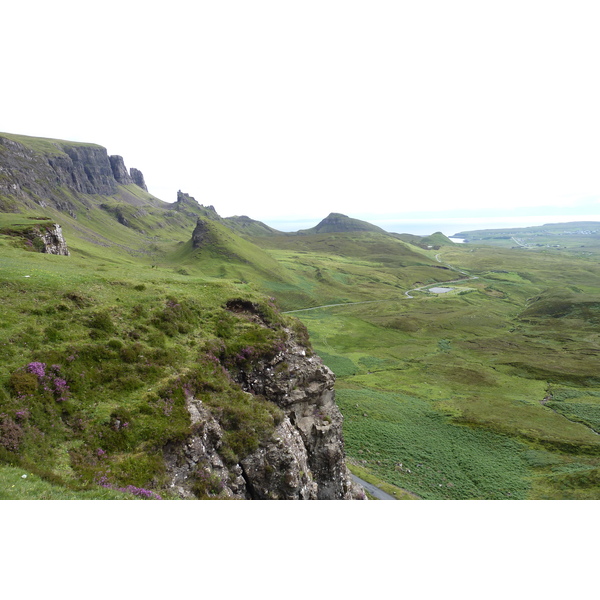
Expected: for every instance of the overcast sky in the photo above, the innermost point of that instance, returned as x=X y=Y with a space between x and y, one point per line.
x=394 y=112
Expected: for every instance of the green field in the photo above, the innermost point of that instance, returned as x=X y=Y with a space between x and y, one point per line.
x=489 y=391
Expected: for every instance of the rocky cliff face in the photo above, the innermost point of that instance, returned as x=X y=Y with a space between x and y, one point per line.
x=119 y=170
x=201 y=236
x=302 y=386
x=35 y=178
x=138 y=178
x=189 y=206
x=303 y=460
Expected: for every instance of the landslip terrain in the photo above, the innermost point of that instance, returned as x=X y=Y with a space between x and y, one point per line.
x=157 y=350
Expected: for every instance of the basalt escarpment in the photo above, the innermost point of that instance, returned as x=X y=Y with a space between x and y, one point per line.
x=304 y=457
x=50 y=177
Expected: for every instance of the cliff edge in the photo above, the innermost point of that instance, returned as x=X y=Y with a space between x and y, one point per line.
x=304 y=457
x=40 y=172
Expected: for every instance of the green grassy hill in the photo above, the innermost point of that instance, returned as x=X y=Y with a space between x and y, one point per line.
x=338 y=223
x=347 y=267
x=245 y=226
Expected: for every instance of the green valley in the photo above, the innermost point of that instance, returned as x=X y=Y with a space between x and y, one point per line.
x=487 y=391
x=464 y=371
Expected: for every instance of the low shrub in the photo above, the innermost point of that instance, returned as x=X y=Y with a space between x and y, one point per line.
x=142 y=469
x=131 y=353
x=176 y=317
x=11 y=433
x=22 y=383
x=206 y=483
x=101 y=321
x=53 y=334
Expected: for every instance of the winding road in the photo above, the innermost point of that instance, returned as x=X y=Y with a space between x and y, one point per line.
x=373 y=490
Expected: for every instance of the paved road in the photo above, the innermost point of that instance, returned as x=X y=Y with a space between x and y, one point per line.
x=374 y=491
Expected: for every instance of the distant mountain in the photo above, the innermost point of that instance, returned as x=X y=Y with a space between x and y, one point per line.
x=571 y=228
x=338 y=223
x=249 y=227
x=437 y=239
x=434 y=241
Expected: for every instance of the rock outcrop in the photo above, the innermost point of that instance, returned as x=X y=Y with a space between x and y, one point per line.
x=54 y=241
x=190 y=207
x=303 y=460
x=201 y=236
x=119 y=170
x=46 y=237
x=303 y=387
x=138 y=178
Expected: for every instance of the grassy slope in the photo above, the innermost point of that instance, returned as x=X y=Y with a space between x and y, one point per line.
x=442 y=395
x=129 y=319
x=125 y=335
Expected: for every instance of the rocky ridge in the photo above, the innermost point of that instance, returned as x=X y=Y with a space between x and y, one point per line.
x=120 y=173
